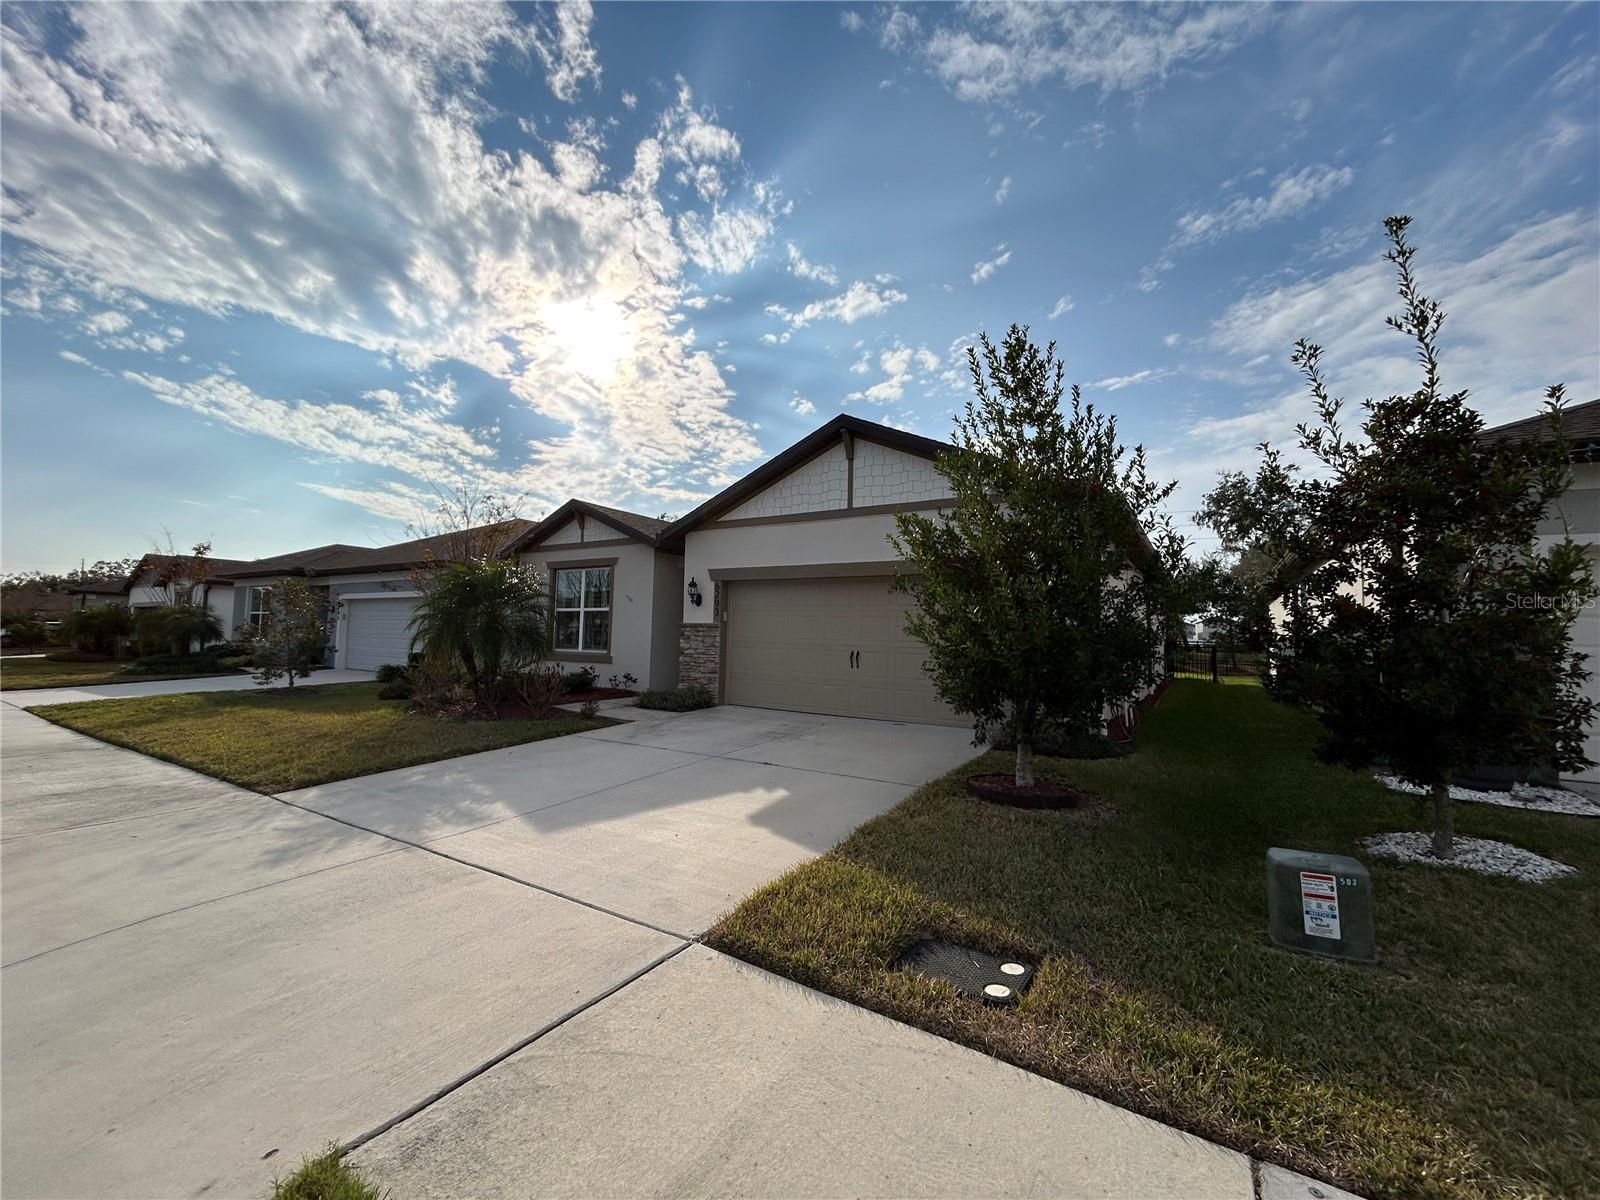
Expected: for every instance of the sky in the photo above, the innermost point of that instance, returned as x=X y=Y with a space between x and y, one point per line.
x=275 y=277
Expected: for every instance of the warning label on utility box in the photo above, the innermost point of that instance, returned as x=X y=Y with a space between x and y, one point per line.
x=1319 y=904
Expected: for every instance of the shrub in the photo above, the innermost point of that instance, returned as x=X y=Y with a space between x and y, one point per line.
x=395 y=689
x=28 y=629
x=580 y=680
x=680 y=699
x=173 y=628
x=624 y=683
x=76 y=656
x=389 y=672
x=539 y=688
x=589 y=708
x=289 y=640
x=97 y=628
x=179 y=664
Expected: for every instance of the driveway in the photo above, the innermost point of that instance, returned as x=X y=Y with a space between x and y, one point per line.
x=38 y=697
x=484 y=971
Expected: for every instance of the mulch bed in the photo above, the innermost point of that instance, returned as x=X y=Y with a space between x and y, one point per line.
x=594 y=694
x=1003 y=789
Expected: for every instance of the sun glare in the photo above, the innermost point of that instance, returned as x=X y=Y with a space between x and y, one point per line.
x=593 y=333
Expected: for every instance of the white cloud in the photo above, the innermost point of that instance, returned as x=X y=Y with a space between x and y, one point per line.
x=1521 y=314
x=565 y=50
x=799 y=265
x=1062 y=307
x=1291 y=193
x=991 y=52
x=144 y=162
x=1172 y=339
x=900 y=364
x=629 y=101
x=851 y=21
x=103 y=323
x=983 y=269
x=859 y=300
x=802 y=406
x=1115 y=383
x=1004 y=190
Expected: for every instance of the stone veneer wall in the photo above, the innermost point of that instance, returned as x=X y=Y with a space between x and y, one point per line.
x=700 y=655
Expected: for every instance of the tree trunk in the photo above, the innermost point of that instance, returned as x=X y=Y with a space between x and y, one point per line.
x=1024 y=763
x=1443 y=821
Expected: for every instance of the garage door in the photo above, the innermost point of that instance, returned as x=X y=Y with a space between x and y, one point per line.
x=377 y=632
x=828 y=646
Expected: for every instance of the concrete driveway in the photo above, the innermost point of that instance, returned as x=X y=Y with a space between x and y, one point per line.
x=484 y=972
x=668 y=820
x=39 y=697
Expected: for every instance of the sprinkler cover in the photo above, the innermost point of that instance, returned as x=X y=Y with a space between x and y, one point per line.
x=992 y=978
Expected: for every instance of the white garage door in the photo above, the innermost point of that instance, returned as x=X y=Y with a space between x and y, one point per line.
x=828 y=646
x=377 y=632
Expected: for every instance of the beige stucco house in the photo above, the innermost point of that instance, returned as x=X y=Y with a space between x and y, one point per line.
x=1575 y=515
x=791 y=567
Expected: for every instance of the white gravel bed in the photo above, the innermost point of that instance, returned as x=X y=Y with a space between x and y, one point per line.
x=1521 y=795
x=1472 y=854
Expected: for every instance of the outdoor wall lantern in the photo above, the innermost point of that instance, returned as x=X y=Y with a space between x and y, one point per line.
x=694 y=592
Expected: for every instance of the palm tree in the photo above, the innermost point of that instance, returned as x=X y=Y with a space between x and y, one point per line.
x=179 y=626
x=490 y=617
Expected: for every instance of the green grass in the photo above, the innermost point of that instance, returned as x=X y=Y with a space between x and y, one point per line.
x=283 y=738
x=327 y=1177
x=17 y=674
x=1466 y=1064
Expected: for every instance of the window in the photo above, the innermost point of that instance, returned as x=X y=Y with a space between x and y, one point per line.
x=183 y=593
x=257 y=605
x=583 y=609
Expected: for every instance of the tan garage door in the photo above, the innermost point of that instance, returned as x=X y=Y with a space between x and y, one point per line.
x=828 y=646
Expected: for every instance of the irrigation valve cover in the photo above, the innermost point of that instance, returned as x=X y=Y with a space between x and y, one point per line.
x=1320 y=904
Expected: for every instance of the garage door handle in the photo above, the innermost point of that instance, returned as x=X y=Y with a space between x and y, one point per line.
x=855 y=658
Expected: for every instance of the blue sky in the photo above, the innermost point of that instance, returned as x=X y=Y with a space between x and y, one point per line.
x=273 y=274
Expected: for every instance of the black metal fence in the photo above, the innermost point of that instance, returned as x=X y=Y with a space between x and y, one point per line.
x=1213 y=661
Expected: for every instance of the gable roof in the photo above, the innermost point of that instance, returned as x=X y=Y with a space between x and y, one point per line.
x=1581 y=423
x=634 y=525
x=340 y=559
x=216 y=568
x=796 y=455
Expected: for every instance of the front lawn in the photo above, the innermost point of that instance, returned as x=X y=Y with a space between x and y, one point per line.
x=284 y=738
x=18 y=674
x=1467 y=1064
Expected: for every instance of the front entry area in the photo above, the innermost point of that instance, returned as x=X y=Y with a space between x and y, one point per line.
x=834 y=646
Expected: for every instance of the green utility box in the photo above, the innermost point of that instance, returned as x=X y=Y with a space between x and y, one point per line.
x=1321 y=904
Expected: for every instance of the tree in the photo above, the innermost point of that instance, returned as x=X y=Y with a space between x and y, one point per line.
x=466 y=525
x=1437 y=634
x=487 y=618
x=28 y=629
x=175 y=628
x=97 y=629
x=292 y=635
x=1028 y=599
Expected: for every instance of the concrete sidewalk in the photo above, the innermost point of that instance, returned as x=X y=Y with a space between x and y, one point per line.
x=39 y=697
x=709 y=1077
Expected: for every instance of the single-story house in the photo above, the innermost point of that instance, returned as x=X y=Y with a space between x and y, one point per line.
x=1577 y=515
x=774 y=593
x=97 y=594
x=161 y=579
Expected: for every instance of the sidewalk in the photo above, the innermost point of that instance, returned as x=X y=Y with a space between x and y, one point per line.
x=710 y=1077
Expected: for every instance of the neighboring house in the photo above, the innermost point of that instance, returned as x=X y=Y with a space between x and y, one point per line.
x=95 y=595
x=616 y=591
x=162 y=579
x=48 y=606
x=370 y=592
x=1575 y=515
